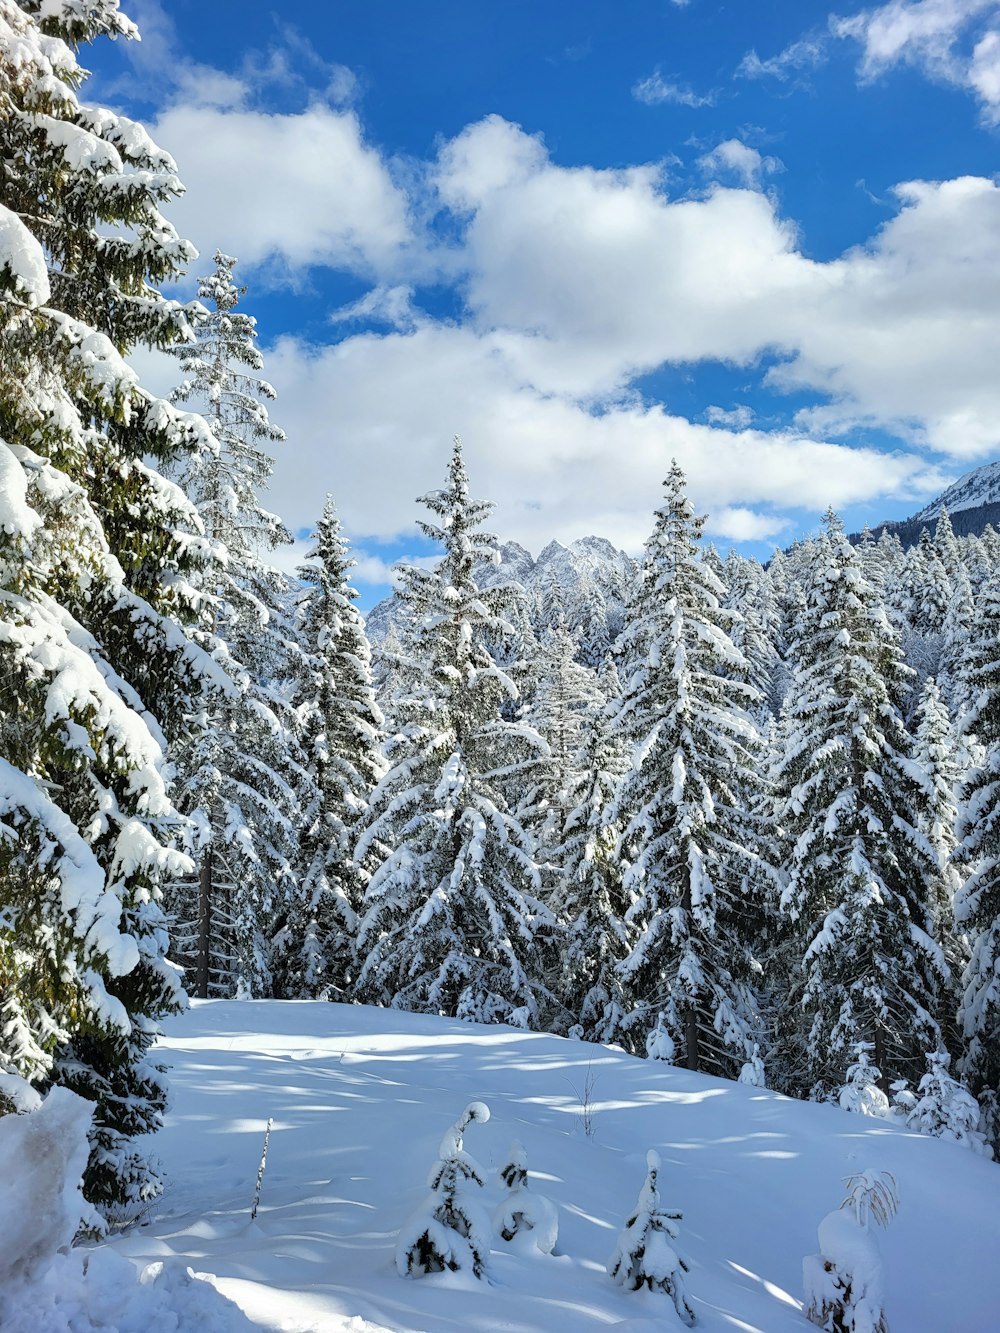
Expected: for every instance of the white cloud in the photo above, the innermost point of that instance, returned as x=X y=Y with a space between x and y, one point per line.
x=739 y=417
x=804 y=54
x=932 y=35
x=738 y=159
x=739 y=524
x=655 y=90
x=371 y=420
x=299 y=189
x=585 y=279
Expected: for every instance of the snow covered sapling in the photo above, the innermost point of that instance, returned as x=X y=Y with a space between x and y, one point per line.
x=861 y=1092
x=843 y=1283
x=448 y=1231
x=945 y=1109
x=645 y=1254
x=522 y=1212
x=660 y=1044
x=753 y=1071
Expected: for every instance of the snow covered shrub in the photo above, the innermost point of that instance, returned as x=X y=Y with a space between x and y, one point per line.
x=945 y=1109
x=861 y=1092
x=521 y=1212
x=43 y=1155
x=448 y=1231
x=660 y=1044
x=843 y=1283
x=645 y=1255
x=753 y=1071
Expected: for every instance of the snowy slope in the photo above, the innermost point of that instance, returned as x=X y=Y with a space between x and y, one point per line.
x=979 y=487
x=361 y=1097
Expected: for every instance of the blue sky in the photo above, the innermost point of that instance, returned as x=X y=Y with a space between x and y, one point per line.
x=762 y=238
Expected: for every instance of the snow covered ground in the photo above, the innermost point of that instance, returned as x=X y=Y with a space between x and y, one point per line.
x=361 y=1097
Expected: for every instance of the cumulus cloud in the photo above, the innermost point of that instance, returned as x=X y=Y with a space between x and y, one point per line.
x=371 y=420
x=734 y=158
x=934 y=36
x=740 y=416
x=301 y=188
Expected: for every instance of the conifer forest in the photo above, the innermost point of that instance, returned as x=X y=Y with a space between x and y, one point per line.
x=737 y=818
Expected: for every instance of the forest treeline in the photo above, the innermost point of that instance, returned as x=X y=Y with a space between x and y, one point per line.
x=742 y=819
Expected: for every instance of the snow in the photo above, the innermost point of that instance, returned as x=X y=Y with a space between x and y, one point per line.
x=361 y=1098
x=23 y=257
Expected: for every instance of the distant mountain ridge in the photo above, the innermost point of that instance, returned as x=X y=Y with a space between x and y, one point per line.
x=590 y=576
x=972 y=502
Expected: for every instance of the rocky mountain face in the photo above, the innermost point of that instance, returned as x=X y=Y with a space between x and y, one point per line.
x=589 y=578
x=973 y=503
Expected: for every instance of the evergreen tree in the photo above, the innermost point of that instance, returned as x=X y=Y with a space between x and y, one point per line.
x=523 y=1213
x=596 y=939
x=978 y=902
x=241 y=775
x=756 y=628
x=934 y=751
x=646 y=1254
x=849 y=803
x=944 y=1109
x=451 y=911
x=564 y=698
x=450 y=1231
x=687 y=840
x=97 y=555
x=340 y=726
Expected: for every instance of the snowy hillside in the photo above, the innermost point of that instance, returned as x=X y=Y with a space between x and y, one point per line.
x=981 y=486
x=361 y=1097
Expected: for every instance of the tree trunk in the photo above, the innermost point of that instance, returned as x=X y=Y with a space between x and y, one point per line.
x=204 y=926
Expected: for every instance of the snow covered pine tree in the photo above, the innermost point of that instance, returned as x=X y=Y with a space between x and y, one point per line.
x=97 y=552
x=687 y=840
x=340 y=726
x=241 y=776
x=451 y=911
x=645 y=1255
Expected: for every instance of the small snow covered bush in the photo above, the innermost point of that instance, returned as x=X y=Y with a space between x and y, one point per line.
x=449 y=1231
x=660 y=1044
x=522 y=1213
x=645 y=1255
x=752 y=1072
x=861 y=1092
x=843 y=1283
x=945 y=1109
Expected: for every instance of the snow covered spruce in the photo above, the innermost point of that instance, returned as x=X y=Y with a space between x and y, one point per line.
x=843 y=1283
x=450 y=1231
x=645 y=1255
x=101 y=560
x=522 y=1213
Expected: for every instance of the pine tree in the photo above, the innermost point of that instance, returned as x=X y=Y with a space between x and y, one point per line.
x=522 y=1212
x=934 y=751
x=978 y=902
x=861 y=1092
x=646 y=1255
x=944 y=1109
x=596 y=940
x=340 y=726
x=843 y=1283
x=565 y=696
x=450 y=1231
x=241 y=775
x=849 y=803
x=97 y=556
x=451 y=911
x=687 y=839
